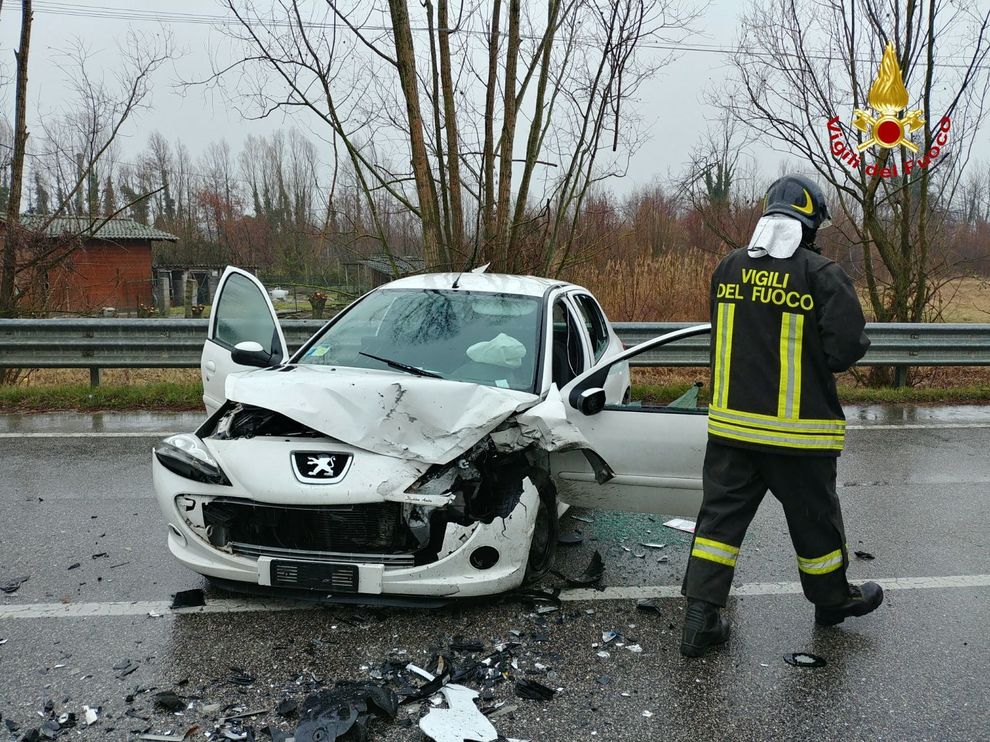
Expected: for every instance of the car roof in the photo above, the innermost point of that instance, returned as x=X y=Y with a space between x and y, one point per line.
x=496 y=283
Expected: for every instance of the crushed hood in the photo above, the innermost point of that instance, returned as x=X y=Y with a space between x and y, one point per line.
x=422 y=419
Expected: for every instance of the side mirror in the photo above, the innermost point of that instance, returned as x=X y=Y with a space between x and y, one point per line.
x=250 y=353
x=591 y=401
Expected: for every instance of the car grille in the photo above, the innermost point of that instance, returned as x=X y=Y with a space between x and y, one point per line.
x=373 y=532
x=389 y=560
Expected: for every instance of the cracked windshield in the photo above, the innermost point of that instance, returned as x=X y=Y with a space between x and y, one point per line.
x=489 y=339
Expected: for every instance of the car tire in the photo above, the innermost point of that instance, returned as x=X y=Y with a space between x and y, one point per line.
x=543 y=545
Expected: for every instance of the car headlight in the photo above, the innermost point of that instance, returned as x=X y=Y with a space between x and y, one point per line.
x=186 y=456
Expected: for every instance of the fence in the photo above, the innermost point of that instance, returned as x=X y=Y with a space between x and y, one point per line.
x=178 y=343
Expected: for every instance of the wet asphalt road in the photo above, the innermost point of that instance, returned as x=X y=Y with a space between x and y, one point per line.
x=914 y=493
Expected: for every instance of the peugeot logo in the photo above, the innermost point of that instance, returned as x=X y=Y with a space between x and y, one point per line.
x=320 y=467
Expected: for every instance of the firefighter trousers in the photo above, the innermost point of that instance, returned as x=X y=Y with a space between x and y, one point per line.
x=735 y=481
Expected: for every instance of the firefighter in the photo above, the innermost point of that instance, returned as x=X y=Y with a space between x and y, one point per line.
x=784 y=320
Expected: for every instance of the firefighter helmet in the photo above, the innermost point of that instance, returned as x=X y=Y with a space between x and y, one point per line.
x=798 y=197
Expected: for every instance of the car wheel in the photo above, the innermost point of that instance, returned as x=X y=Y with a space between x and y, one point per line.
x=543 y=545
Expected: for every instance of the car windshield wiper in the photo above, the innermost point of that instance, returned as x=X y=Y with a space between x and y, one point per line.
x=403 y=366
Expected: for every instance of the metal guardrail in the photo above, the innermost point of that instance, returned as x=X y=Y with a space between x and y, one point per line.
x=178 y=343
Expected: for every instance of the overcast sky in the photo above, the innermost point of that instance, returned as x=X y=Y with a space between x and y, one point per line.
x=672 y=104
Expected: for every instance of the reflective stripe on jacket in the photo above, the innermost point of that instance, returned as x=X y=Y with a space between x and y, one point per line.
x=780 y=329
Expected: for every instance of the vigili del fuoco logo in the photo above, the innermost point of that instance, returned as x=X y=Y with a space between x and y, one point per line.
x=888 y=125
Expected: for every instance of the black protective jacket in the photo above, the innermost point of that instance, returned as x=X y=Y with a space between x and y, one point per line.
x=780 y=329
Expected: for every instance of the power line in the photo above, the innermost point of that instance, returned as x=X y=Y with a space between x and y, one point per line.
x=50 y=7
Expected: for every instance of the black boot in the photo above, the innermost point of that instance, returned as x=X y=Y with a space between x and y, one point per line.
x=862 y=600
x=704 y=628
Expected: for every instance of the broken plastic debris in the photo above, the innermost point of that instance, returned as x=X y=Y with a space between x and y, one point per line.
x=287 y=707
x=652 y=546
x=582 y=519
x=608 y=636
x=864 y=555
x=681 y=524
x=592 y=574
x=124 y=668
x=460 y=721
x=188 y=599
x=330 y=714
x=634 y=648
x=90 y=715
x=169 y=701
x=570 y=538
x=803 y=659
x=460 y=644
x=240 y=677
x=533 y=691
x=647 y=605
x=12 y=585
x=154 y=614
x=603 y=654
x=647 y=714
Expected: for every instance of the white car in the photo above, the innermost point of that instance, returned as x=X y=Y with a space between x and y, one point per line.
x=421 y=444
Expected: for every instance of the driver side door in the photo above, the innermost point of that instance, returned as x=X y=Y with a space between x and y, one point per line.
x=655 y=451
x=242 y=311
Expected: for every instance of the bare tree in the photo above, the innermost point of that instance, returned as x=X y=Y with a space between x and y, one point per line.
x=488 y=123
x=76 y=140
x=805 y=66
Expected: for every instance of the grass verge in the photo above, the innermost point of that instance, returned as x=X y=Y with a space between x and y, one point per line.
x=162 y=397
x=177 y=396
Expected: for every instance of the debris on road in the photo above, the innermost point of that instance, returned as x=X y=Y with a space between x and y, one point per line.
x=91 y=715
x=864 y=555
x=12 y=585
x=648 y=605
x=592 y=574
x=188 y=599
x=582 y=519
x=803 y=659
x=125 y=667
x=652 y=546
x=74 y=565
x=169 y=701
x=330 y=714
x=533 y=691
x=570 y=538
x=460 y=721
x=680 y=524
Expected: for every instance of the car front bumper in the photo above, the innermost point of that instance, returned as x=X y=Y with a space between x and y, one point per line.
x=451 y=576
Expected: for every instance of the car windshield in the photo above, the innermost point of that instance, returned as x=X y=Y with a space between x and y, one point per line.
x=489 y=339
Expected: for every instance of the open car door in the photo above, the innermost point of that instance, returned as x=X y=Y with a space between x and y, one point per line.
x=242 y=312
x=655 y=451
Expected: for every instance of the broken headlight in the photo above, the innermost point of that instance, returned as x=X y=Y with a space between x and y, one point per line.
x=186 y=456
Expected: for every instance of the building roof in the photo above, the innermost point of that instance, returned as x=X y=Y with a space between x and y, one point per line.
x=118 y=228
x=383 y=264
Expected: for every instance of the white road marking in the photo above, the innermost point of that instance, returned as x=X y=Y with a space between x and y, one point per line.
x=771 y=588
x=225 y=605
x=918 y=426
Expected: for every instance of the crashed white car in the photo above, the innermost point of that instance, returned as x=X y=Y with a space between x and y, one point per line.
x=421 y=444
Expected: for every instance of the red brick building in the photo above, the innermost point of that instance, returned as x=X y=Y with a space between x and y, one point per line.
x=112 y=268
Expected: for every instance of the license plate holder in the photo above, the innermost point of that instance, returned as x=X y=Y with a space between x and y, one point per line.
x=323 y=576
